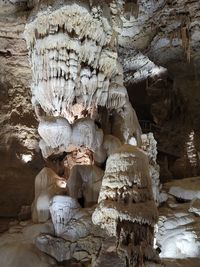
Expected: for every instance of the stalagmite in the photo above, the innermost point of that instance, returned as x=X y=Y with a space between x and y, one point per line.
x=47 y=184
x=149 y=145
x=62 y=209
x=125 y=194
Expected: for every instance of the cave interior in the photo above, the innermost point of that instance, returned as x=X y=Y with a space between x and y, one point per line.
x=100 y=133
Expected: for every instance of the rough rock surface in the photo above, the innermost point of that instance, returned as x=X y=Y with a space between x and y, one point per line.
x=18 y=135
x=185 y=189
x=17 y=246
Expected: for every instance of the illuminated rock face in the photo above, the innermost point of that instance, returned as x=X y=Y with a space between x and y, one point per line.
x=178 y=235
x=77 y=84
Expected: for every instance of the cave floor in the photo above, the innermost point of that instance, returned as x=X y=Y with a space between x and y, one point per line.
x=5 y=224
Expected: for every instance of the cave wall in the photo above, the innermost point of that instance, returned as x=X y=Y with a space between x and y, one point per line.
x=160 y=48
x=19 y=157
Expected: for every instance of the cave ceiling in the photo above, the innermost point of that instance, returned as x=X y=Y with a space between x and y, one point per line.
x=155 y=33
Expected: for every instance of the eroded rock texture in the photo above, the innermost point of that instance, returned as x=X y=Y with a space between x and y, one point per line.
x=18 y=134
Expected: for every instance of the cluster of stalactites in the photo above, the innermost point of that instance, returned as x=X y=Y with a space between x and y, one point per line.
x=95 y=21
x=74 y=58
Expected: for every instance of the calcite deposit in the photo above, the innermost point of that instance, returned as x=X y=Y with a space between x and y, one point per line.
x=76 y=77
x=97 y=187
x=178 y=226
x=149 y=145
x=125 y=193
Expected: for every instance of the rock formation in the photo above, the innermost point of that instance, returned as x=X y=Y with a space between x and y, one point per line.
x=149 y=145
x=125 y=193
x=95 y=199
x=77 y=82
x=178 y=234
